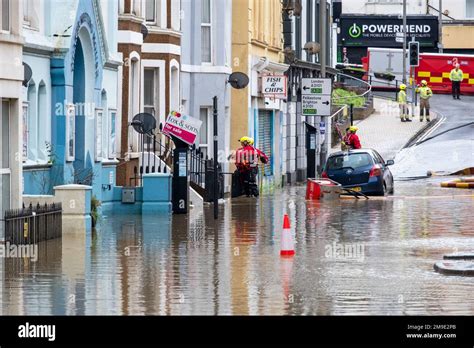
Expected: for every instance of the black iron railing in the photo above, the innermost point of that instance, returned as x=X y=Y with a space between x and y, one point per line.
x=33 y=224
x=197 y=166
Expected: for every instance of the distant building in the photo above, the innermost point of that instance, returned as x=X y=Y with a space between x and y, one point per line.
x=298 y=31
x=457 y=32
x=257 y=50
x=11 y=77
x=71 y=104
x=206 y=66
x=151 y=74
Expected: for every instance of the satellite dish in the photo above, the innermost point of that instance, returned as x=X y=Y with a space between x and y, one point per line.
x=312 y=47
x=143 y=123
x=144 y=31
x=27 y=74
x=238 y=80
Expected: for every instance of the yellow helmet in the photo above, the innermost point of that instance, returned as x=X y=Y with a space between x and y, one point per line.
x=424 y=83
x=245 y=140
x=403 y=86
x=353 y=129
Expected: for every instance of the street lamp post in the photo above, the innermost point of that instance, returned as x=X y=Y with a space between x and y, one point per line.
x=404 y=31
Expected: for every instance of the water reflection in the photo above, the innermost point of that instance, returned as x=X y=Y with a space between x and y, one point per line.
x=193 y=264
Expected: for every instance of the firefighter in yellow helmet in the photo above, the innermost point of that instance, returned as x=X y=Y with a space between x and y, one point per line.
x=353 y=141
x=425 y=95
x=402 y=102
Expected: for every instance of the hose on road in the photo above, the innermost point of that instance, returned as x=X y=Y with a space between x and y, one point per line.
x=411 y=178
x=443 y=132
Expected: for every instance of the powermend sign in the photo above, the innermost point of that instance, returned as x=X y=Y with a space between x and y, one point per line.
x=316 y=97
x=381 y=31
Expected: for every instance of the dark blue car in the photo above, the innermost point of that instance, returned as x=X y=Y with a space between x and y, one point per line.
x=362 y=170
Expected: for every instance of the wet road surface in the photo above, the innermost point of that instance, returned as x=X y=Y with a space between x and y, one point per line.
x=443 y=148
x=352 y=258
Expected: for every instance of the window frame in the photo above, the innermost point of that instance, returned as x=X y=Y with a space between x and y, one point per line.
x=112 y=140
x=9 y=16
x=211 y=41
x=5 y=170
x=99 y=130
x=154 y=22
x=472 y=10
x=155 y=105
x=70 y=117
x=209 y=128
x=25 y=131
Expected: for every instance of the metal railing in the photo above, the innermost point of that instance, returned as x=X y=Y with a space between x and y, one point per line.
x=339 y=123
x=33 y=224
x=156 y=156
x=197 y=166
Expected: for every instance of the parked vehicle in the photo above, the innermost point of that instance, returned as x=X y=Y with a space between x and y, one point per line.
x=384 y=68
x=362 y=170
x=435 y=68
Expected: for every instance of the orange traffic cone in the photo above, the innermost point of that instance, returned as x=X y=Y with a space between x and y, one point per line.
x=287 y=242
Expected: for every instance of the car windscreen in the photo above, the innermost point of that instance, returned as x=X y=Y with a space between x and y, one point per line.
x=351 y=160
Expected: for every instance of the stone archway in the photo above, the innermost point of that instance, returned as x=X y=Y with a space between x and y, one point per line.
x=83 y=99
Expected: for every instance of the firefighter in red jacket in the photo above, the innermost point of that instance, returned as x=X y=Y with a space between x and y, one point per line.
x=352 y=140
x=246 y=162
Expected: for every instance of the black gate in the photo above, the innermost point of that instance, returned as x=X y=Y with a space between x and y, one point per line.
x=33 y=224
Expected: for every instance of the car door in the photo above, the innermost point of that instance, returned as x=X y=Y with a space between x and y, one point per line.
x=387 y=174
x=336 y=170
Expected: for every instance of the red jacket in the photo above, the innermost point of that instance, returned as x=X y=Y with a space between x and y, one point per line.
x=354 y=141
x=246 y=157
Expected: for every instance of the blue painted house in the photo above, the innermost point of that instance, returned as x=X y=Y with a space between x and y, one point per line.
x=71 y=104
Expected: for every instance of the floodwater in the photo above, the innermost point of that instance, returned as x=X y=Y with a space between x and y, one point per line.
x=352 y=257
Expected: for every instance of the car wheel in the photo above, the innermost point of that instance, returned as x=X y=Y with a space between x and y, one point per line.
x=384 y=192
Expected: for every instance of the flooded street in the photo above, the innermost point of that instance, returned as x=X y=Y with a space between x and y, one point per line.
x=135 y=265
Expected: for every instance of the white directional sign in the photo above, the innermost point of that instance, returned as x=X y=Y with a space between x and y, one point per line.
x=316 y=105
x=316 y=97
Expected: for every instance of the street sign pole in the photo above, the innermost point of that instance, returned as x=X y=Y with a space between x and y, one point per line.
x=404 y=30
x=413 y=90
x=316 y=101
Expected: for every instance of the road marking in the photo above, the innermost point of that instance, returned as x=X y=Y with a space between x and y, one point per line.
x=431 y=130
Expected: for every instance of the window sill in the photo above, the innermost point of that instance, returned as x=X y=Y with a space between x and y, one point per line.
x=110 y=162
x=28 y=165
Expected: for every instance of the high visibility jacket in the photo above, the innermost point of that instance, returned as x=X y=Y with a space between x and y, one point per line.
x=425 y=92
x=402 y=97
x=456 y=75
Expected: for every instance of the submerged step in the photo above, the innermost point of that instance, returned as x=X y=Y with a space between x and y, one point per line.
x=459 y=256
x=464 y=268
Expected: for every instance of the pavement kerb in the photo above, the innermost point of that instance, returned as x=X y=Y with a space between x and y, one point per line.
x=438 y=117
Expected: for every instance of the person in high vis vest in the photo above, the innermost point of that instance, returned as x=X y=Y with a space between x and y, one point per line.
x=456 y=77
x=402 y=102
x=425 y=95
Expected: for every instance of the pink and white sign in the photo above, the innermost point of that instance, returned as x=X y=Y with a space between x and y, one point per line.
x=183 y=127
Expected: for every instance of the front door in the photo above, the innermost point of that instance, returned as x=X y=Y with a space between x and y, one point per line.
x=4 y=161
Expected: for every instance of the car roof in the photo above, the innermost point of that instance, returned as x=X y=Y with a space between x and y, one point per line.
x=339 y=153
